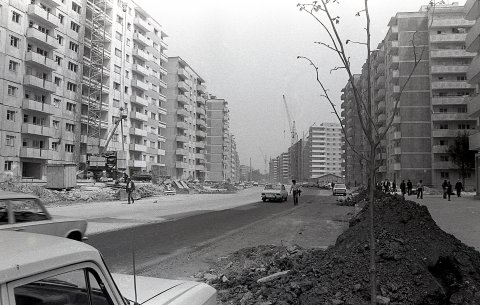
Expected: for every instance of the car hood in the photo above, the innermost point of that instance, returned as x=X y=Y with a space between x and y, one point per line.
x=155 y=291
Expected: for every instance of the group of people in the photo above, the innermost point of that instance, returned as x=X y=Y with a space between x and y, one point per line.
x=405 y=187
x=448 y=189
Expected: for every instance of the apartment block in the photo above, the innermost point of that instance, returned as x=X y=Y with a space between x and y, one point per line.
x=284 y=168
x=273 y=170
x=186 y=122
x=72 y=65
x=218 y=140
x=235 y=161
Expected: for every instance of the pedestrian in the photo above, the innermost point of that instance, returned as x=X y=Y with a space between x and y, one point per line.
x=409 y=187
x=403 y=187
x=125 y=177
x=296 y=191
x=459 y=188
x=130 y=187
x=333 y=185
x=420 y=189
x=386 y=185
x=444 y=187
x=394 y=186
x=449 y=189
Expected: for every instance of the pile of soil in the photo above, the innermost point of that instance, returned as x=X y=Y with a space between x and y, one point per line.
x=417 y=263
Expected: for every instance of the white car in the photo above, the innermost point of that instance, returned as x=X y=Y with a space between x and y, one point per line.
x=274 y=192
x=24 y=212
x=339 y=189
x=40 y=269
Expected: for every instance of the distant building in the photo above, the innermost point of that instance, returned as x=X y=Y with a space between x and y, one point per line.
x=218 y=140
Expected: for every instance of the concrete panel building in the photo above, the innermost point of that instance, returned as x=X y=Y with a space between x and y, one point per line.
x=218 y=140
x=186 y=122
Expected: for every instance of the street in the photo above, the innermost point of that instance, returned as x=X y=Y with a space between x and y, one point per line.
x=181 y=247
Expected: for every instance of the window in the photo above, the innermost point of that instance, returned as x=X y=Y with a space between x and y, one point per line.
x=118 y=36
x=117 y=69
x=118 y=52
x=74 y=27
x=14 y=41
x=58 y=59
x=71 y=106
x=444 y=158
x=69 y=148
x=8 y=165
x=70 y=127
x=128 y=41
x=73 y=46
x=60 y=39
x=25 y=118
x=444 y=175
x=119 y=20
x=11 y=115
x=56 y=124
x=115 y=138
x=116 y=86
x=15 y=17
x=13 y=65
x=72 y=67
x=10 y=140
x=57 y=80
x=129 y=26
x=55 y=146
x=12 y=90
x=76 y=8
x=443 y=110
x=463 y=126
x=127 y=58
x=127 y=74
x=443 y=126
x=60 y=17
x=56 y=103
x=126 y=90
x=71 y=87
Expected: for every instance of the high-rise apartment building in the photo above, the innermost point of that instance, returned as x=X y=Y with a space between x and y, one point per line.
x=186 y=122
x=73 y=66
x=284 y=168
x=273 y=170
x=218 y=140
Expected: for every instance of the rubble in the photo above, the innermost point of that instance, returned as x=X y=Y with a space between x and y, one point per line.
x=417 y=263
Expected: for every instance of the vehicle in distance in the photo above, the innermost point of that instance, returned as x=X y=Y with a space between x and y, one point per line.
x=25 y=212
x=48 y=270
x=169 y=190
x=274 y=192
x=339 y=190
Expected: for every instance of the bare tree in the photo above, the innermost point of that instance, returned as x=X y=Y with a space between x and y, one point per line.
x=323 y=14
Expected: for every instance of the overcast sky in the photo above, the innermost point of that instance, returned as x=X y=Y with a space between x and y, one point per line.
x=247 y=53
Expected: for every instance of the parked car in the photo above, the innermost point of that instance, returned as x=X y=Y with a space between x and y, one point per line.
x=169 y=190
x=25 y=212
x=40 y=269
x=339 y=190
x=274 y=192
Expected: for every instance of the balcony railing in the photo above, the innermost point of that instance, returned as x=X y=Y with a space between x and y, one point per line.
x=179 y=164
x=139 y=116
x=201 y=88
x=137 y=163
x=139 y=84
x=45 y=40
x=141 y=54
x=439 y=149
x=35 y=153
x=140 y=39
x=48 y=18
x=138 y=132
x=451 y=85
x=442 y=116
x=182 y=86
x=37 y=106
x=180 y=138
x=449 y=100
x=39 y=130
x=454 y=69
x=182 y=125
x=139 y=100
x=181 y=152
x=140 y=69
x=43 y=84
x=455 y=53
x=138 y=147
x=142 y=24
x=443 y=38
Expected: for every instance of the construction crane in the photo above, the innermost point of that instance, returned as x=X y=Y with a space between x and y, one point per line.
x=293 y=131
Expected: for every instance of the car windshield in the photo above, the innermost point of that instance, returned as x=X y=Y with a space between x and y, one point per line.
x=340 y=186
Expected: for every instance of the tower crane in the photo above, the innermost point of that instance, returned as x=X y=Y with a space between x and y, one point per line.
x=293 y=130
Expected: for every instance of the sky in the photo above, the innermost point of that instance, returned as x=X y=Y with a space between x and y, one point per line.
x=247 y=53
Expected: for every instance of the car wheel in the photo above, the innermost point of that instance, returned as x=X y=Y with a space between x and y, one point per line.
x=75 y=236
x=263 y=199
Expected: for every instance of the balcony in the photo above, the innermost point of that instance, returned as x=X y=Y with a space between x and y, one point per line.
x=179 y=164
x=200 y=100
x=42 y=84
x=473 y=71
x=182 y=139
x=182 y=86
x=144 y=56
x=201 y=111
x=449 y=100
x=395 y=60
x=443 y=165
x=35 y=153
x=137 y=163
x=397 y=150
x=442 y=116
x=37 y=106
x=451 y=85
x=474 y=141
x=446 y=133
x=139 y=84
x=40 y=60
x=182 y=99
x=38 y=130
x=135 y=99
x=138 y=116
x=396 y=120
x=439 y=149
x=49 y=19
x=200 y=167
x=380 y=95
x=142 y=24
x=451 y=23
x=381 y=107
x=138 y=147
x=471 y=10
x=393 y=47
x=201 y=89
x=140 y=69
x=183 y=112
x=397 y=135
x=200 y=156
x=454 y=53
x=393 y=32
x=142 y=40
x=182 y=73
x=381 y=156
x=200 y=133
x=181 y=152
x=138 y=132
x=182 y=125
x=396 y=91
x=42 y=38
x=397 y=166
x=444 y=38
x=440 y=69
x=201 y=122
x=200 y=144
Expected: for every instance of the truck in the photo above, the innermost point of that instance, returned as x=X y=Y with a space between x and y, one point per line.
x=47 y=270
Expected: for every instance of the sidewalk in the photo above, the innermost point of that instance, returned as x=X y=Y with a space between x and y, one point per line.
x=115 y=215
x=460 y=216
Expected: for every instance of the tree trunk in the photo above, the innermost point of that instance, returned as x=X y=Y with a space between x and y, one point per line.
x=373 y=272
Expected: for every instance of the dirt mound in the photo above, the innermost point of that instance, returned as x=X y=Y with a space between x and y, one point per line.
x=417 y=263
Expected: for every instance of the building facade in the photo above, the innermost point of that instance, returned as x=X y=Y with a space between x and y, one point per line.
x=186 y=122
x=218 y=140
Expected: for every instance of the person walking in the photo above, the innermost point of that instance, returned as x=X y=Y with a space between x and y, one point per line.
x=296 y=191
x=420 y=189
x=394 y=187
x=403 y=187
x=409 y=187
x=459 y=188
x=449 y=189
x=130 y=187
x=444 y=187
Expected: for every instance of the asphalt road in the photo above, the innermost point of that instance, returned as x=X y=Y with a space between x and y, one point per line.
x=176 y=248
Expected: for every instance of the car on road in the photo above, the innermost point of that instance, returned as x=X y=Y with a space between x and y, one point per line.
x=339 y=190
x=274 y=192
x=47 y=270
x=25 y=212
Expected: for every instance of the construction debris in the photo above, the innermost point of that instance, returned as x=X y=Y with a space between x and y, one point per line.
x=417 y=263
